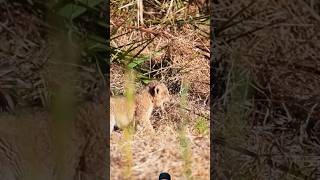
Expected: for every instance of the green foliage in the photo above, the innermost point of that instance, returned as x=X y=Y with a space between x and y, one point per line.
x=135 y=62
x=83 y=20
x=184 y=141
x=75 y=9
x=201 y=126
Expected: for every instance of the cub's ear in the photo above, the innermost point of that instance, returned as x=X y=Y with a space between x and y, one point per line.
x=157 y=90
x=154 y=91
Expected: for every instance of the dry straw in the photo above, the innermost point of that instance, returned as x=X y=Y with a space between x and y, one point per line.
x=172 y=45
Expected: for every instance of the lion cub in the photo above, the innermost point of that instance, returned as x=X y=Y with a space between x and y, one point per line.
x=122 y=114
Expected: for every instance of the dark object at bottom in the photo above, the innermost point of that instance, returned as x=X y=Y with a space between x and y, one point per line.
x=164 y=176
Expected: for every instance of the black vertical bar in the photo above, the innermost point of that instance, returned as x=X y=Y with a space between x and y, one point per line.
x=106 y=73
x=213 y=92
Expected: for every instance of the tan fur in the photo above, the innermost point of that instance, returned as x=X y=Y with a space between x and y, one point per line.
x=153 y=95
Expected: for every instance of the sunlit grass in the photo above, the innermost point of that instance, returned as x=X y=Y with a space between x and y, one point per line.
x=128 y=132
x=201 y=126
x=184 y=141
x=127 y=152
x=138 y=45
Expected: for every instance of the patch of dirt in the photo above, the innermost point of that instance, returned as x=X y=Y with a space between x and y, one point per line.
x=160 y=153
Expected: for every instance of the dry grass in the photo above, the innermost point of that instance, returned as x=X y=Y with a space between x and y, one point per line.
x=30 y=81
x=268 y=50
x=21 y=39
x=174 y=53
x=161 y=153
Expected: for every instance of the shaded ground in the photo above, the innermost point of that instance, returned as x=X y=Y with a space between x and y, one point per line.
x=268 y=78
x=34 y=141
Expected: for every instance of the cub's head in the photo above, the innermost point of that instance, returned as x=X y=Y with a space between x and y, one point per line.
x=160 y=93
